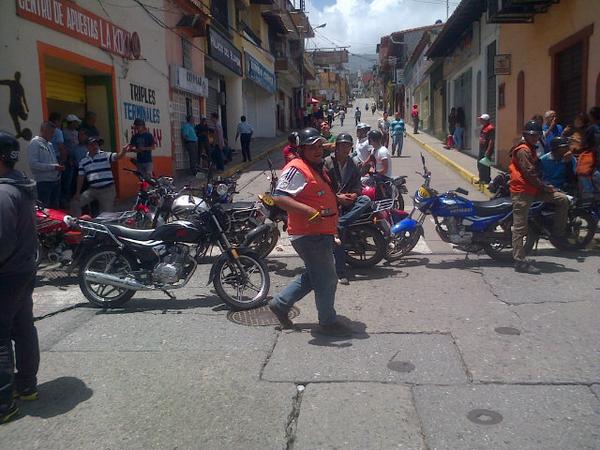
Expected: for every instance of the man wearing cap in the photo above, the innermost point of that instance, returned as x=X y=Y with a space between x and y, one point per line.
x=558 y=165
x=345 y=180
x=526 y=185
x=96 y=169
x=304 y=191
x=486 y=148
x=142 y=143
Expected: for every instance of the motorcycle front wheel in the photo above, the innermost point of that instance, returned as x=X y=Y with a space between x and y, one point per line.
x=239 y=289
x=364 y=246
x=402 y=245
x=105 y=260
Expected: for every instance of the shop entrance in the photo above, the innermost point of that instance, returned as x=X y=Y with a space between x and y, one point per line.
x=72 y=84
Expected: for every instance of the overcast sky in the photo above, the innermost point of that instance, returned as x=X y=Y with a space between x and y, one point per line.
x=360 y=23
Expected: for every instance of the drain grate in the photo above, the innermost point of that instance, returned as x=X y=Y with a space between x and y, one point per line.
x=484 y=417
x=258 y=317
x=510 y=331
x=401 y=366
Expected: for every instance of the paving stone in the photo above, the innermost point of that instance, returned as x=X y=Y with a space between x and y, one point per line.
x=350 y=415
x=532 y=417
x=559 y=343
x=150 y=400
x=131 y=331
x=303 y=357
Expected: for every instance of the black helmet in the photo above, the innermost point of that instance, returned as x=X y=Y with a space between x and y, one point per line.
x=344 y=137
x=375 y=135
x=559 y=142
x=308 y=136
x=9 y=147
x=532 y=127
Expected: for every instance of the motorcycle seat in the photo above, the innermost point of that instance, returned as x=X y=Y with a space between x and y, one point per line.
x=130 y=233
x=237 y=206
x=493 y=207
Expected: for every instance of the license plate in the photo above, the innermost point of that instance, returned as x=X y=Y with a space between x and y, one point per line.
x=423 y=192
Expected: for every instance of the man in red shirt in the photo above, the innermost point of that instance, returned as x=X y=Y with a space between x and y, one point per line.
x=486 y=147
x=526 y=185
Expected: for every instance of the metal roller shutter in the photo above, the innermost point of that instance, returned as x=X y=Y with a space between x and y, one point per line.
x=64 y=86
x=212 y=102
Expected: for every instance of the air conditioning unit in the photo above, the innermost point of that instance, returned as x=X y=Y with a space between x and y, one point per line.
x=516 y=11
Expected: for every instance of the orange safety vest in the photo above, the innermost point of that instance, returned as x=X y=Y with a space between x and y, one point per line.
x=518 y=183
x=318 y=194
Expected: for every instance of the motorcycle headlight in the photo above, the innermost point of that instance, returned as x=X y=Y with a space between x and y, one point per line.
x=222 y=189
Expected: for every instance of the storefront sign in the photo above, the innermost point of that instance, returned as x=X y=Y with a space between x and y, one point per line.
x=65 y=16
x=141 y=104
x=221 y=49
x=188 y=81
x=502 y=64
x=258 y=73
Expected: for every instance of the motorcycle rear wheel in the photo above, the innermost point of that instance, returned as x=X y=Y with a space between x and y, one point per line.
x=98 y=294
x=581 y=228
x=228 y=278
x=500 y=251
x=403 y=245
x=265 y=243
x=364 y=246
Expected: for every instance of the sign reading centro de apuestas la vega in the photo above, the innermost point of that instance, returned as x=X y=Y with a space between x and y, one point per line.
x=258 y=73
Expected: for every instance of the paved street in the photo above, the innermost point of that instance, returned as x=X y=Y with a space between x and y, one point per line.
x=449 y=352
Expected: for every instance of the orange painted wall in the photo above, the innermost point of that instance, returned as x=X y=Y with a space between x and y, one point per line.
x=528 y=44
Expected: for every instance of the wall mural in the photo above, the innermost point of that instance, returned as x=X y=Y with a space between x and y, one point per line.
x=17 y=105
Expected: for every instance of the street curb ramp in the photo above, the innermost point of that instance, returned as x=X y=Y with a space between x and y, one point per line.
x=464 y=173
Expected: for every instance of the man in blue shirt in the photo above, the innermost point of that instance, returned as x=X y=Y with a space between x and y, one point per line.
x=397 y=130
x=190 y=142
x=551 y=128
x=142 y=143
x=558 y=166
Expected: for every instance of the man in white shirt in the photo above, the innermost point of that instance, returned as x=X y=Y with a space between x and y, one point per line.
x=384 y=126
x=362 y=150
x=244 y=132
x=380 y=156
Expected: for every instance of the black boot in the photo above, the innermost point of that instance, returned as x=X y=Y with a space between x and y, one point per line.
x=526 y=267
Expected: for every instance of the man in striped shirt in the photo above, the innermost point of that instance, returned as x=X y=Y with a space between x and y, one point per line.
x=96 y=169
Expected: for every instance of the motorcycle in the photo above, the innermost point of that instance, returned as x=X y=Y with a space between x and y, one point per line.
x=471 y=226
x=115 y=261
x=379 y=187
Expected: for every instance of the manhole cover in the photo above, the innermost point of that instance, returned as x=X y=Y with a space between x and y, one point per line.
x=258 y=317
x=401 y=366
x=508 y=330
x=484 y=417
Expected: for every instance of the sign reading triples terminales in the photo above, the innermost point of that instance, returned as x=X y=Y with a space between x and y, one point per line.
x=70 y=19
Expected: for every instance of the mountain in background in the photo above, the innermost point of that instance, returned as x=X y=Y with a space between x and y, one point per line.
x=362 y=62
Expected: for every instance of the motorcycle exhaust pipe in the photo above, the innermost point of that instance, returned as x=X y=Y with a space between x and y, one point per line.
x=111 y=280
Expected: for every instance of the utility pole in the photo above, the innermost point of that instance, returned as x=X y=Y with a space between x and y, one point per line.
x=447 y=9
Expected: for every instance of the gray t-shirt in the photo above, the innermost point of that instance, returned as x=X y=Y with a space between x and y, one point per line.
x=42 y=160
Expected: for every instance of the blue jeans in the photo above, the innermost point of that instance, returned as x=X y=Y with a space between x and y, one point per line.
x=397 y=144
x=49 y=193
x=459 y=134
x=319 y=275
x=362 y=204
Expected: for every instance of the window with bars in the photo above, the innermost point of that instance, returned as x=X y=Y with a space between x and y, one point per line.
x=186 y=47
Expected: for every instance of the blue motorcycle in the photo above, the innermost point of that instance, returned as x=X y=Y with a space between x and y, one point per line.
x=471 y=226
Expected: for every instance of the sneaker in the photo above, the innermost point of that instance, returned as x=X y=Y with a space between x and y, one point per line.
x=9 y=413
x=527 y=267
x=281 y=315
x=337 y=240
x=335 y=329
x=344 y=281
x=29 y=394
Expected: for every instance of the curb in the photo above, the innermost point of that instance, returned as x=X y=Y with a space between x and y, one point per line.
x=464 y=173
x=244 y=165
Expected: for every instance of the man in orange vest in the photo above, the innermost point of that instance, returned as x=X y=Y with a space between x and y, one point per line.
x=526 y=185
x=304 y=191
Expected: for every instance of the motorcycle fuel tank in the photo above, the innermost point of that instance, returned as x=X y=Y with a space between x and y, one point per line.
x=185 y=204
x=453 y=206
x=178 y=231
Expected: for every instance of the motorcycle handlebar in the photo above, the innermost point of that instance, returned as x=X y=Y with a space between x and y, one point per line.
x=461 y=191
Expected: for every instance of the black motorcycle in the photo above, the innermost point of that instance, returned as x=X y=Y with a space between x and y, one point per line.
x=115 y=261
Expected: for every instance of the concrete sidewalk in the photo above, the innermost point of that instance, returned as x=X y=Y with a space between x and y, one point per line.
x=463 y=164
